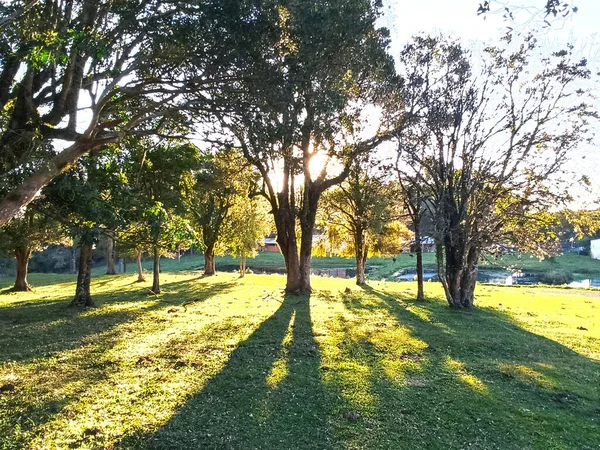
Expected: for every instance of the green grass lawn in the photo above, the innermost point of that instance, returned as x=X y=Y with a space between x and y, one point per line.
x=383 y=268
x=245 y=367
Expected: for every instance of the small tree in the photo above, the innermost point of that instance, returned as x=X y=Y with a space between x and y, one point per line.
x=27 y=233
x=361 y=215
x=155 y=175
x=75 y=197
x=221 y=182
x=247 y=225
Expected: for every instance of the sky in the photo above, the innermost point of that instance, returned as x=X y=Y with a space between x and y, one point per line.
x=459 y=19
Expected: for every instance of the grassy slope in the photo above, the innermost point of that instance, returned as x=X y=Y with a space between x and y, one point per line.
x=244 y=367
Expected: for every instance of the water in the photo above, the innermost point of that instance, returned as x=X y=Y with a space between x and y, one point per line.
x=493 y=276
x=496 y=276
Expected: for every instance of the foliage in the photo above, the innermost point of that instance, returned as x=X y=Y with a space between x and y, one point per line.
x=370 y=368
x=150 y=187
x=247 y=225
x=220 y=187
x=92 y=72
x=30 y=231
x=361 y=216
x=487 y=147
x=312 y=68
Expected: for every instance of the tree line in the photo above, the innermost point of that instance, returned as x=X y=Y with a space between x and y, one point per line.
x=288 y=102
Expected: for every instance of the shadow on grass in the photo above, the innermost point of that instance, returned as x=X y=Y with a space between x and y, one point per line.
x=44 y=327
x=65 y=352
x=269 y=395
x=482 y=380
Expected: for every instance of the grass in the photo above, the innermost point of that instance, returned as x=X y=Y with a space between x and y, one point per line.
x=384 y=268
x=246 y=367
x=579 y=265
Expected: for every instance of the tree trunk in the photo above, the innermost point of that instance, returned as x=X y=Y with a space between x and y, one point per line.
x=305 y=259
x=28 y=189
x=419 y=251
x=110 y=253
x=460 y=276
x=286 y=239
x=359 y=254
x=242 y=265
x=209 y=260
x=138 y=257
x=156 y=271
x=289 y=250
x=124 y=265
x=22 y=257
x=73 y=260
x=84 y=276
x=308 y=217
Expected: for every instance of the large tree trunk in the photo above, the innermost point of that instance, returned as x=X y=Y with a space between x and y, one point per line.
x=22 y=257
x=140 y=270
x=156 y=271
x=84 y=276
x=419 y=250
x=308 y=217
x=110 y=253
x=286 y=239
x=460 y=275
x=360 y=253
x=209 y=260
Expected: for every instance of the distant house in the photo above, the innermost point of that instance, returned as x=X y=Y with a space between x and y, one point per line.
x=595 y=248
x=427 y=245
x=269 y=246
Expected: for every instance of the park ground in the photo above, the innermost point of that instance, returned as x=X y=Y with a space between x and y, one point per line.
x=229 y=363
x=579 y=266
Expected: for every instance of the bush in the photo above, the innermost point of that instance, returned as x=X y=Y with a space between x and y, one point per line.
x=557 y=276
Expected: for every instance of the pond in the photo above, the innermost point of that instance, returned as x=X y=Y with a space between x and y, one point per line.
x=495 y=276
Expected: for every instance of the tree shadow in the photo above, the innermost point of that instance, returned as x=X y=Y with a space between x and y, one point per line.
x=269 y=395
x=61 y=354
x=480 y=376
x=52 y=326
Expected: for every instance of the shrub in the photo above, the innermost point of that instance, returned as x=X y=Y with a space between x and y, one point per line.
x=557 y=276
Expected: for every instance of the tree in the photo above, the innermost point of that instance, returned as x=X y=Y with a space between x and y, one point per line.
x=414 y=198
x=154 y=176
x=361 y=215
x=27 y=233
x=91 y=72
x=246 y=226
x=486 y=147
x=75 y=198
x=221 y=181
x=110 y=253
x=303 y=83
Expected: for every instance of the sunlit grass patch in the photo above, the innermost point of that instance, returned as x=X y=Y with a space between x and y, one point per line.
x=242 y=366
